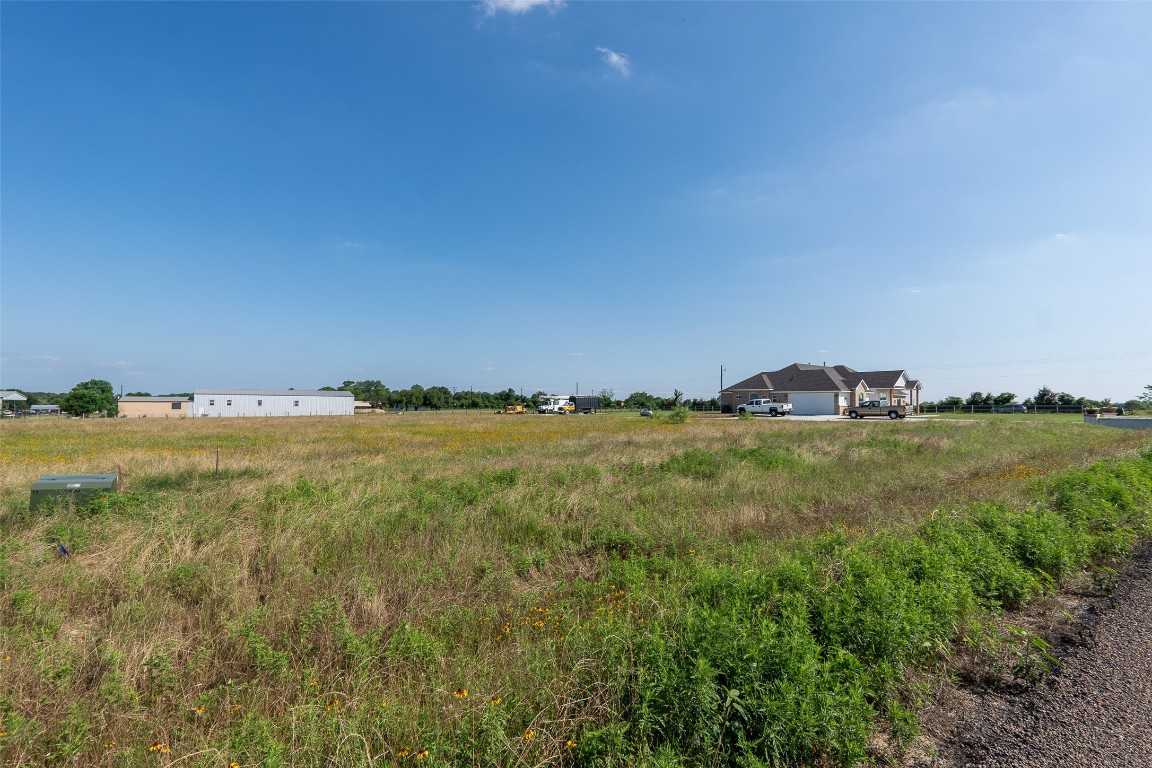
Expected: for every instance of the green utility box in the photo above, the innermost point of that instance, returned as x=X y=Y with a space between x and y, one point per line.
x=76 y=489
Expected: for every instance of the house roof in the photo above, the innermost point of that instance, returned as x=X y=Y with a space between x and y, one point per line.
x=275 y=392
x=13 y=396
x=885 y=379
x=805 y=377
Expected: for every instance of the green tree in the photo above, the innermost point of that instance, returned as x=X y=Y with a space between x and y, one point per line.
x=438 y=397
x=88 y=397
x=979 y=398
x=952 y=401
x=641 y=400
x=138 y=394
x=607 y=398
x=1045 y=396
x=1146 y=398
x=1004 y=398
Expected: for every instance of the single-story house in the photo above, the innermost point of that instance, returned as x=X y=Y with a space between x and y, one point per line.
x=137 y=407
x=42 y=410
x=823 y=389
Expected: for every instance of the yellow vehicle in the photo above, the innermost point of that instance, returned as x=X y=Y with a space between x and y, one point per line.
x=513 y=409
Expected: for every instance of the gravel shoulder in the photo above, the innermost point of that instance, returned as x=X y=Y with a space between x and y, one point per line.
x=1094 y=711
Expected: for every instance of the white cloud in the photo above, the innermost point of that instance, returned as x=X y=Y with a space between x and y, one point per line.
x=618 y=61
x=46 y=358
x=575 y=354
x=351 y=244
x=516 y=7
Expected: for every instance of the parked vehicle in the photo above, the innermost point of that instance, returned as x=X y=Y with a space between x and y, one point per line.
x=645 y=411
x=561 y=404
x=877 y=408
x=513 y=409
x=763 y=405
x=1011 y=408
x=584 y=403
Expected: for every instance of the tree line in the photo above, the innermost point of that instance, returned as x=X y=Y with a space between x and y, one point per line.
x=416 y=396
x=1044 y=398
x=97 y=396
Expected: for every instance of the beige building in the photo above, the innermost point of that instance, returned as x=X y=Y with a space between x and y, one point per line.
x=154 y=407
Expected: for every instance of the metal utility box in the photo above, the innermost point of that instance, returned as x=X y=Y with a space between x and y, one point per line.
x=75 y=489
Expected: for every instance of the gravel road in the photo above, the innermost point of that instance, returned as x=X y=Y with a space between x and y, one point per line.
x=1094 y=712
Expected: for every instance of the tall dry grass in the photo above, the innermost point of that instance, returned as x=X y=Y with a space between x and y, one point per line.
x=329 y=593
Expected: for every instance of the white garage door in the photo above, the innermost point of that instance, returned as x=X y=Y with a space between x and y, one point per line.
x=812 y=403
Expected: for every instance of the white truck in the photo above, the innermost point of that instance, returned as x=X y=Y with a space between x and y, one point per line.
x=555 y=404
x=763 y=405
x=568 y=404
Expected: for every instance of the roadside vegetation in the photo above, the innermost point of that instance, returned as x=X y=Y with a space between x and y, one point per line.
x=466 y=589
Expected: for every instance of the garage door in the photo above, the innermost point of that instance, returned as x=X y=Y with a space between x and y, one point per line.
x=812 y=403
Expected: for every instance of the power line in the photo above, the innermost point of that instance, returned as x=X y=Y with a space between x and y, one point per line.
x=1036 y=375
x=1033 y=361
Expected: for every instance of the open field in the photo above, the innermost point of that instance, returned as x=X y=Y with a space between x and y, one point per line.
x=471 y=589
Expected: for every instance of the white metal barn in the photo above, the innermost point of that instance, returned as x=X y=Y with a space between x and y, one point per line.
x=271 y=402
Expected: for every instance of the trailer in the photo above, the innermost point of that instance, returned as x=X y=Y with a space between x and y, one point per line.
x=568 y=404
x=584 y=403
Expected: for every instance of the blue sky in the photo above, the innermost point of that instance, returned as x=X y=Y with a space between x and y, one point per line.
x=535 y=195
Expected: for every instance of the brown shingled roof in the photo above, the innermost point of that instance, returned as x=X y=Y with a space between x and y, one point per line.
x=805 y=377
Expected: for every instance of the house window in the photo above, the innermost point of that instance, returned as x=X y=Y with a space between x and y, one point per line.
x=175 y=406
x=296 y=403
x=211 y=402
x=752 y=396
x=259 y=402
x=228 y=402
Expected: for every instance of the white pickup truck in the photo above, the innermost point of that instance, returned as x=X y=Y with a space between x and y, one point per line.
x=770 y=407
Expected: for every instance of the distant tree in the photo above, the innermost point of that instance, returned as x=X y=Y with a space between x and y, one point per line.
x=370 y=391
x=41 y=398
x=641 y=400
x=979 y=398
x=677 y=398
x=438 y=397
x=607 y=398
x=138 y=394
x=1044 y=396
x=1004 y=398
x=88 y=397
x=328 y=389
x=952 y=401
x=1146 y=398
x=1066 y=399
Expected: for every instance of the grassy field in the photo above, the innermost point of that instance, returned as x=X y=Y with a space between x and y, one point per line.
x=472 y=589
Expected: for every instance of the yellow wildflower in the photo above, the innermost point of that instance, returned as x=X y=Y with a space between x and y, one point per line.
x=422 y=754
x=495 y=701
x=570 y=744
x=529 y=734
x=460 y=693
